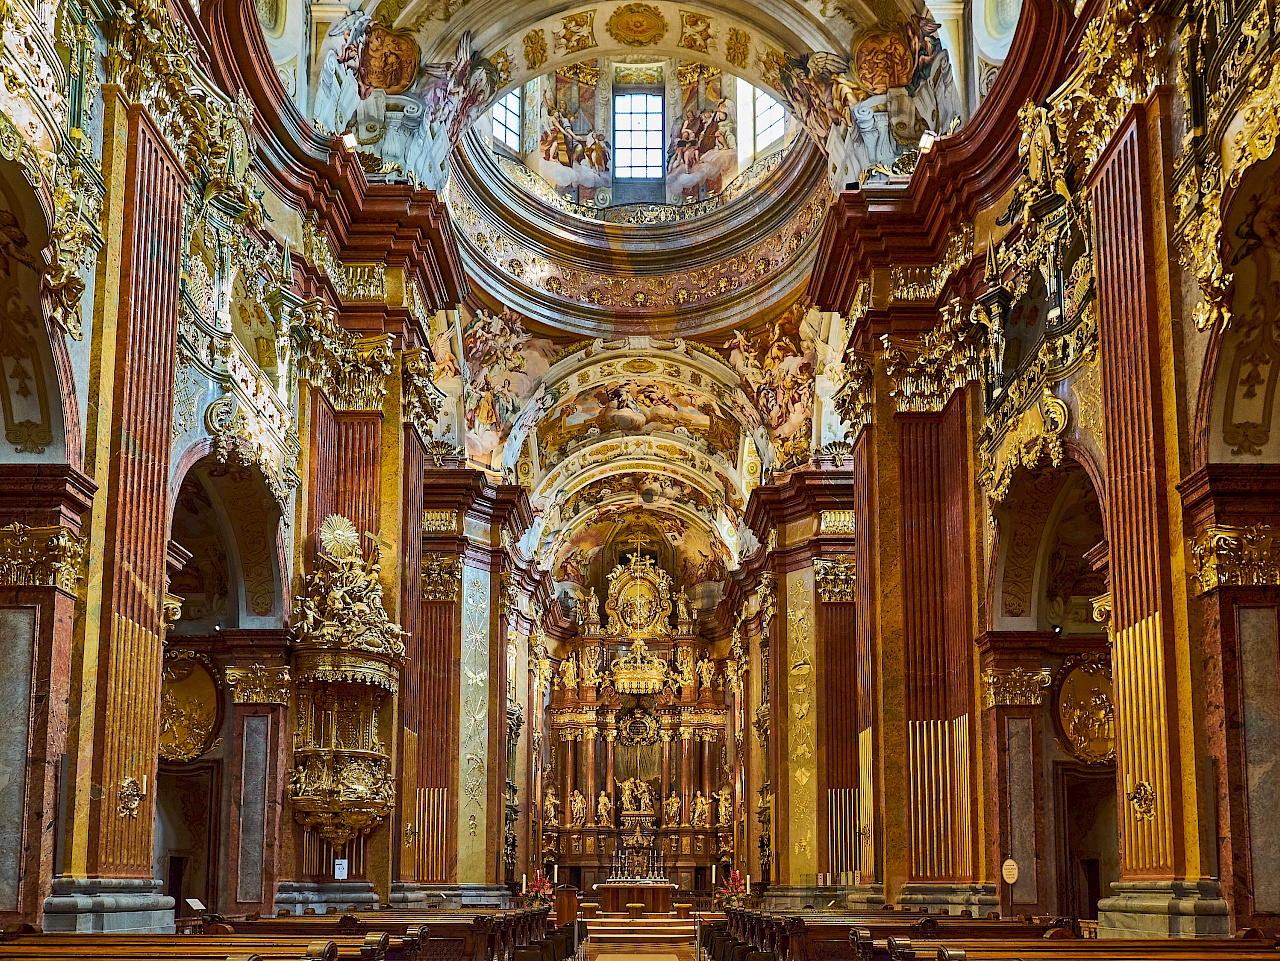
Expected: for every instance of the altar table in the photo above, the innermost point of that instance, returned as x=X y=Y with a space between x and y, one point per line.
x=614 y=896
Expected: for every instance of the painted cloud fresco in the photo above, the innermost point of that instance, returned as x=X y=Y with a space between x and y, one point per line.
x=776 y=363
x=636 y=406
x=500 y=369
x=871 y=106
x=572 y=155
x=703 y=156
x=371 y=80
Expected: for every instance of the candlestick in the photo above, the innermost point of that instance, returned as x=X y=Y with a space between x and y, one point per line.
x=555 y=875
x=524 y=884
x=748 y=884
x=713 y=875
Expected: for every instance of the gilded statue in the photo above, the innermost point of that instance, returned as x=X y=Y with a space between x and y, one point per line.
x=550 y=806
x=685 y=676
x=706 y=673
x=628 y=788
x=701 y=811
x=568 y=678
x=683 y=613
x=589 y=612
x=604 y=810
x=644 y=796
x=724 y=806
x=671 y=809
x=591 y=666
x=577 y=809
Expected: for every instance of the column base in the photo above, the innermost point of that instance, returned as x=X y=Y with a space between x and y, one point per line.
x=1164 y=909
x=296 y=896
x=802 y=897
x=108 y=905
x=485 y=895
x=411 y=894
x=979 y=899
x=865 y=896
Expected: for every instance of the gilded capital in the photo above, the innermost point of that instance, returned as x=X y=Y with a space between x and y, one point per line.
x=41 y=557
x=420 y=397
x=441 y=576
x=835 y=579
x=1226 y=556
x=1016 y=687
x=259 y=684
x=837 y=522
x=352 y=371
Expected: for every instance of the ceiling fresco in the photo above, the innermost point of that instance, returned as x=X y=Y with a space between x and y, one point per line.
x=637 y=405
x=865 y=79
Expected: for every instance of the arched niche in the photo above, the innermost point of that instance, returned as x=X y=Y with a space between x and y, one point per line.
x=1048 y=523
x=1243 y=427
x=225 y=518
x=34 y=393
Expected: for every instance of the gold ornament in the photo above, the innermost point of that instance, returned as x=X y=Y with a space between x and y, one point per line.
x=1227 y=556
x=1016 y=687
x=259 y=684
x=41 y=557
x=835 y=579
x=190 y=706
x=1083 y=708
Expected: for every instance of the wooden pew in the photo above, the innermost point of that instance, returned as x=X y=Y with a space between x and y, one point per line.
x=1119 y=949
x=171 y=947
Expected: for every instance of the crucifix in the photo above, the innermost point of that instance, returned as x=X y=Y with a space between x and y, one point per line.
x=639 y=542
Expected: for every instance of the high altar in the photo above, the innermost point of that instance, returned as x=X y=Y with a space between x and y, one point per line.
x=656 y=803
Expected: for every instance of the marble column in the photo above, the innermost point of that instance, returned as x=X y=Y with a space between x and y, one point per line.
x=107 y=883
x=686 y=772
x=1162 y=782
x=665 y=736
x=610 y=736
x=589 y=773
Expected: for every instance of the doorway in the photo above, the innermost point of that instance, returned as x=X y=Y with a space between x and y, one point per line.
x=1088 y=838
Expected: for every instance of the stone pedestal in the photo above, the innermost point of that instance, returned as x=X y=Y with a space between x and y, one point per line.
x=953 y=898
x=297 y=896
x=108 y=906
x=1164 y=909
x=802 y=897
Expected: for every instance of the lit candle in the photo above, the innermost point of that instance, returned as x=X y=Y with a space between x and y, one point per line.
x=713 y=875
x=524 y=884
x=555 y=876
x=748 y=884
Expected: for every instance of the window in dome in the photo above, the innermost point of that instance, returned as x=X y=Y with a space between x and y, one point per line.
x=638 y=136
x=770 y=121
x=506 y=120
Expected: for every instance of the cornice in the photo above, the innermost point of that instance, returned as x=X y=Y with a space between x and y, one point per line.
x=963 y=173
x=1238 y=494
x=392 y=223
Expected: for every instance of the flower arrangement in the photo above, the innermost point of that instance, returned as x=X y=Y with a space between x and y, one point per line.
x=732 y=893
x=537 y=893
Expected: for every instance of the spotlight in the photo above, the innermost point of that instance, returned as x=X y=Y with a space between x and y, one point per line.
x=349 y=141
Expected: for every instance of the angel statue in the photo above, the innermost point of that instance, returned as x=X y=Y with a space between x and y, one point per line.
x=701 y=811
x=706 y=673
x=724 y=806
x=577 y=809
x=550 y=805
x=604 y=810
x=671 y=810
x=568 y=678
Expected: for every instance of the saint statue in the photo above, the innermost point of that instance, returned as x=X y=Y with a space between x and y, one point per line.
x=591 y=665
x=568 y=673
x=683 y=614
x=628 y=795
x=577 y=809
x=701 y=811
x=550 y=804
x=724 y=806
x=671 y=810
x=604 y=810
x=706 y=673
x=686 y=672
x=644 y=796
